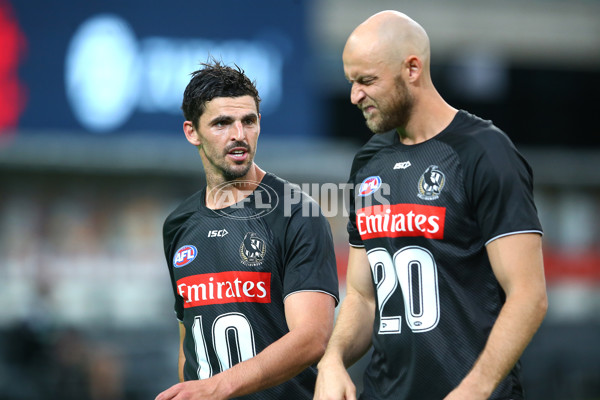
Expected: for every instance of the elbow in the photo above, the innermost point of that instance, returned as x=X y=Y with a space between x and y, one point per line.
x=321 y=339
x=542 y=305
x=317 y=346
x=532 y=303
x=320 y=349
x=537 y=305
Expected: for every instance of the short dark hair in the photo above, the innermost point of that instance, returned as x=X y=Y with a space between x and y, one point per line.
x=215 y=80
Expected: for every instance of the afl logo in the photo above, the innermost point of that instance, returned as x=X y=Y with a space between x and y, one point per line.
x=369 y=186
x=185 y=255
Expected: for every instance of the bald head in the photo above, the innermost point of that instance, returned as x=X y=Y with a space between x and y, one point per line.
x=389 y=36
x=386 y=60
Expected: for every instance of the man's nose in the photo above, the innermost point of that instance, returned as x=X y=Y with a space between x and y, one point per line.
x=357 y=94
x=237 y=132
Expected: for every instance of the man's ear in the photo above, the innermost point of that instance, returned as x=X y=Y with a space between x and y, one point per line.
x=190 y=133
x=414 y=68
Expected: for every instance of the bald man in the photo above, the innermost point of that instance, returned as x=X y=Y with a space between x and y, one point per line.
x=445 y=275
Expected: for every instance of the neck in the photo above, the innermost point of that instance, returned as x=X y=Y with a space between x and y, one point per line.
x=430 y=116
x=221 y=193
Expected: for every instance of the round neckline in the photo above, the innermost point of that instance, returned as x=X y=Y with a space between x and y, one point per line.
x=231 y=209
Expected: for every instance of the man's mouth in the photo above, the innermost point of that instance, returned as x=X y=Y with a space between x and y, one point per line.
x=238 y=154
x=366 y=109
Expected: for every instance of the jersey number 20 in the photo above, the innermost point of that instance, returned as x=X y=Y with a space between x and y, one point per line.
x=413 y=271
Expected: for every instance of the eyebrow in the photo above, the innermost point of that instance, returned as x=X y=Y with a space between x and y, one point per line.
x=220 y=119
x=363 y=78
x=227 y=119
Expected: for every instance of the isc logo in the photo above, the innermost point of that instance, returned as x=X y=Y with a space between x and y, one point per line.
x=217 y=233
x=185 y=255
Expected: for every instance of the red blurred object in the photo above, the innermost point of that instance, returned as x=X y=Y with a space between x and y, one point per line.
x=341 y=256
x=14 y=93
x=581 y=266
x=559 y=265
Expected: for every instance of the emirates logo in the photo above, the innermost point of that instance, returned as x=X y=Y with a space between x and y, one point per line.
x=401 y=220
x=225 y=287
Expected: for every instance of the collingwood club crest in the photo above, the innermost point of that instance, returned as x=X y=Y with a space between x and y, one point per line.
x=252 y=250
x=431 y=183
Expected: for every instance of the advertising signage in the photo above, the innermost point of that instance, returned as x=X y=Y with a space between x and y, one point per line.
x=113 y=67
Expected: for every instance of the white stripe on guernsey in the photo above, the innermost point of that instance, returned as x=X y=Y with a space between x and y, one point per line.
x=318 y=291
x=511 y=233
x=486 y=243
x=357 y=246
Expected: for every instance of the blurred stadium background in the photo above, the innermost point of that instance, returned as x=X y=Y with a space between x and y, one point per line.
x=92 y=159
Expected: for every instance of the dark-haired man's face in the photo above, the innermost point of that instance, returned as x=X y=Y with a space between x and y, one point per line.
x=228 y=131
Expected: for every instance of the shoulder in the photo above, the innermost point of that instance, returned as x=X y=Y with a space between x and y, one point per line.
x=295 y=210
x=476 y=141
x=468 y=132
x=289 y=195
x=181 y=214
x=377 y=143
x=489 y=160
x=277 y=184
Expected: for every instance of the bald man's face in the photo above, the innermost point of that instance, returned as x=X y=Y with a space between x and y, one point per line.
x=378 y=88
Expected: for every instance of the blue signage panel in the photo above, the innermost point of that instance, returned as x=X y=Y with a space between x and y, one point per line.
x=114 y=67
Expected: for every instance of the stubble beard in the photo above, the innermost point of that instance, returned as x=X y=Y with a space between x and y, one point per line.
x=231 y=174
x=396 y=114
x=227 y=172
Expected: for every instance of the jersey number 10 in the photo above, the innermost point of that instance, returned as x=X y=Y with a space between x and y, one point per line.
x=224 y=326
x=413 y=270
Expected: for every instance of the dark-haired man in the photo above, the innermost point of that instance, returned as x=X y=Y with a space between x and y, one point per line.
x=255 y=281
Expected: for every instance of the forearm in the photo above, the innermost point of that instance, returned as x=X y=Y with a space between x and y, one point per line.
x=181 y=363
x=279 y=362
x=181 y=358
x=351 y=337
x=518 y=321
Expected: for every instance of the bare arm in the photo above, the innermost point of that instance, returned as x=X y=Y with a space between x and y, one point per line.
x=351 y=337
x=309 y=316
x=181 y=361
x=518 y=265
